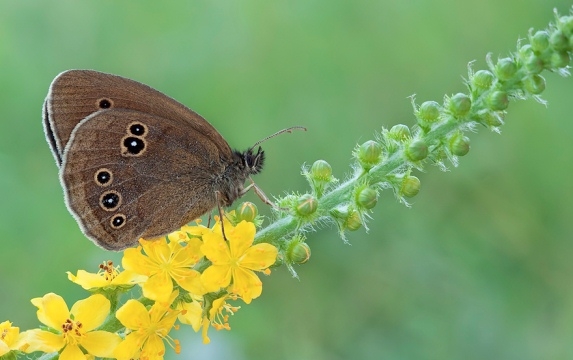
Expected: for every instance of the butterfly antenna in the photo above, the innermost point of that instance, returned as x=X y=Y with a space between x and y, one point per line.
x=287 y=130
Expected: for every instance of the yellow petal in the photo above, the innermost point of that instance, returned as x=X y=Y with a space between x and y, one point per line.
x=198 y=230
x=205 y=329
x=246 y=284
x=44 y=341
x=178 y=236
x=4 y=349
x=135 y=261
x=216 y=277
x=259 y=257
x=91 y=312
x=87 y=280
x=189 y=280
x=166 y=323
x=157 y=250
x=23 y=341
x=52 y=310
x=128 y=277
x=9 y=333
x=72 y=352
x=215 y=249
x=187 y=255
x=158 y=287
x=129 y=348
x=154 y=348
x=241 y=238
x=133 y=315
x=190 y=314
x=100 y=343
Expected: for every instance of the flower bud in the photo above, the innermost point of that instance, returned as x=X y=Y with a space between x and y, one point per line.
x=353 y=221
x=534 y=84
x=400 y=132
x=366 y=198
x=306 y=205
x=369 y=154
x=539 y=41
x=459 y=144
x=321 y=171
x=566 y=24
x=534 y=64
x=558 y=40
x=348 y=219
x=482 y=79
x=498 y=100
x=246 y=211
x=559 y=59
x=460 y=104
x=410 y=186
x=505 y=69
x=428 y=113
x=491 y=120
x=417 y=150
x=298 y=252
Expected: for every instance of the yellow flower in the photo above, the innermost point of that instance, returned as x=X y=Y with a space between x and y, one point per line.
x=217 y=316
x=236 y=260
x=162 y=263
x=148 y=330
x=74 y=328
x=11 y=339
x=108 y=277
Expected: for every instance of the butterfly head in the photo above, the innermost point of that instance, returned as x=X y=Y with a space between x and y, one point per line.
x=253 y=161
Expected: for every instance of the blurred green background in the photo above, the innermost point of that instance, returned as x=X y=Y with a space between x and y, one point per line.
x=479 y=268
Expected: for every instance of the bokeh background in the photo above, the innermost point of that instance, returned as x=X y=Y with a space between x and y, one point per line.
x=479 y=268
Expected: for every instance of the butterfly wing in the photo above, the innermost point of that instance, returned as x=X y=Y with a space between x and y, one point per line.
x=75 y=94
x=128 y=174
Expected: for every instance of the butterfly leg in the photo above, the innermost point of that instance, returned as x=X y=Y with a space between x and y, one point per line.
x=264 y=198
x=218 y=195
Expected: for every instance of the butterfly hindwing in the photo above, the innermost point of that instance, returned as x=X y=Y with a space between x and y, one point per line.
x=128 y=174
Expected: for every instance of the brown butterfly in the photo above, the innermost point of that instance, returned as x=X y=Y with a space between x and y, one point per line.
x=134 y=162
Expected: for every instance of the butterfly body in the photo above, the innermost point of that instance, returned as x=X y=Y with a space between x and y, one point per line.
x=135 y=163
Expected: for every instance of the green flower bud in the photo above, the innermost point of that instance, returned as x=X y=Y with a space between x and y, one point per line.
x=534 y=84
x=539 y=40
x=428 y=113
x=525 y=51
x=353 y=221
x=246 y=211
x=298 y=252
x=498 y=100
x=366 y=198
x=399 y=132
x=559 y=41
x=491 y=120
x=566 y=24
x=534 y=64
x=306 y=205
x=482 y=79
x=459 y=144
x=559 y=59
x=369 y=154
x=460 y=104
x=417 y=150
x=321 y=171
x=410 y=186
x=505 y=69
x=348 y=219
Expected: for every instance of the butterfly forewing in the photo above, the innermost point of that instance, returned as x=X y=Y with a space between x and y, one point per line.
x=76 y=94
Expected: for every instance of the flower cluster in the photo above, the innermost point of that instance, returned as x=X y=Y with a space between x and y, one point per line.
x=187 y=278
